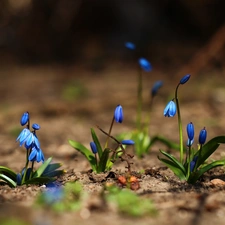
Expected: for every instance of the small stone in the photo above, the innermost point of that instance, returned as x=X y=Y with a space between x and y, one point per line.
x=218 y=182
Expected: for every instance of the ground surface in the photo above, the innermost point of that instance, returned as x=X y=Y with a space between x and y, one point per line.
x=45 y=91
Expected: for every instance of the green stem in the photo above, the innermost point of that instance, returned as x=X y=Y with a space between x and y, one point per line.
x=139 y=101
x=179 y=125
x=189 y=161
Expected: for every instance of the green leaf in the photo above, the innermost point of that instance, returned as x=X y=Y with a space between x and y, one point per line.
x=8 y=172
x=98 y=145
x=174 y=160
x=86 y=152
x=40 y=180
x=51 y=167
x=209 y=148
x=8 y=180
x=174 y=167
x=103 y=160
x=54 y=173
x=196 y=175
x=165 y=141
x=42 y=168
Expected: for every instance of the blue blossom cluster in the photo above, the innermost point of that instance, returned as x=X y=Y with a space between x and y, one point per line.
x=30 y=140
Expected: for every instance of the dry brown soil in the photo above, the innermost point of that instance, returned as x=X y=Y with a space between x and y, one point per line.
x=41 y=91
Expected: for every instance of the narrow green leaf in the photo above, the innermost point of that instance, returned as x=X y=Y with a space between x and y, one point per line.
x=51 y=167
x=8 y=180
x=40 y=180
x=209 y=148
x=98 y=145
x=103 y=160
x=8 y=172
x=174 y=167
x=86 y=152
x=196 y=175
x=165 y=141
x=54 y=173
x=42 y=168
x=174 y=160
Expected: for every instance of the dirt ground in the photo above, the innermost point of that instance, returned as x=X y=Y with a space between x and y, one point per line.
x=45 y=91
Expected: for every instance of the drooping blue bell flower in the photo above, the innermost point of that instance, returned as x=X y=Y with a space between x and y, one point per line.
x=31 y=141
x=156 y=86
x=23 y=136
x=24 y=119
x=192 y=163
x=130 y=45
x=170 y=109
x=145 y=64
x=93 y=147
x=190 y=131
x=185 y=79
x=118 y=114
x=36 y=155
x=202 y=136
x=127 y=142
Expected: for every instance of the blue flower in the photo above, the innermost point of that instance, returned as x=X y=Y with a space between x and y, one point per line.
x=156 y=86
x=190 y=131
x=202 y=136
x=24 y=118
x=145 y=64
x=35 y=126
x=185 y=78
x=36 y=155
x=127 y=142
x=192 y=165
x=118 y=114
x=130 y=45
x=93 y=147
x=23 y=136
x=170 y=110
x=53 y=195
x=193 y=162
x=31 y=141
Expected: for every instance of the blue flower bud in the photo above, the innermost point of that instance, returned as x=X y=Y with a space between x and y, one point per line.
x=202 y=136
x=118 y=114
x=170 y=109
x=35 y=126
x=190 y=131
x=145 y=64
x=156 y=86
x=185 y=79
x=18 y=179
x=93 y=147
x=24 y=118
x=192 y=165
x=130 y=45
x=128 y=142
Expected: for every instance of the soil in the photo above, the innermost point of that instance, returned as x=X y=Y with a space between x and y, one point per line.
x=45 y=91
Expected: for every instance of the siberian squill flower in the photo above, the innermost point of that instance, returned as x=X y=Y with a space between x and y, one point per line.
x=130 y=45
x=23 y=136
x=156 y=86
x=190 y=131
x=118 y=114
x=170 y=110
x=36 y=155
x=24 y=118
x=185 y=79
x=202 y=136
x=145 y=64
x=93 y=147
x=127 y=142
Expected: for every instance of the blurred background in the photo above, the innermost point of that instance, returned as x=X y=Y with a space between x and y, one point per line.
x=170 y=33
